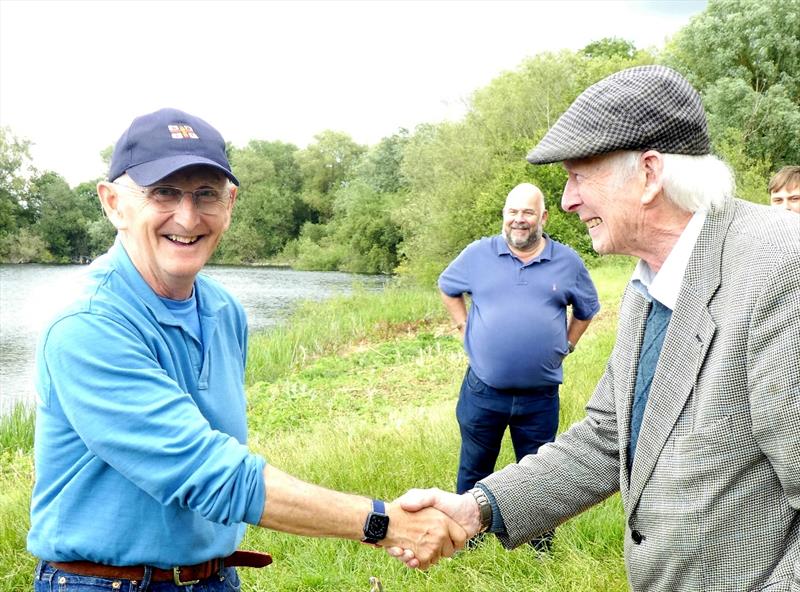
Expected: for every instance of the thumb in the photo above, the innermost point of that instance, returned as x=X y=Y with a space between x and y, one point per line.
x=417 y=499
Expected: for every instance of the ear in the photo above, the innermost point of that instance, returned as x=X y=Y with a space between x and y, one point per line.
x=544 y=217
x=110 y=201
x=653 y=165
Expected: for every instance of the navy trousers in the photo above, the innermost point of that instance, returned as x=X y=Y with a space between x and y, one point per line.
x=483 y=414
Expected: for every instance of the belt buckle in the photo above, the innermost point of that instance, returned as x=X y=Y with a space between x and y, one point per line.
x=176 y=577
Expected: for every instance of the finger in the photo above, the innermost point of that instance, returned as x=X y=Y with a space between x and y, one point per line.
x=418 y=500
x=457 y=534
x=394 y=551
x=447 y=549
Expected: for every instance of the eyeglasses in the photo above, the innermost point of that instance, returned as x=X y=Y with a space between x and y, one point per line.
x=166 y=199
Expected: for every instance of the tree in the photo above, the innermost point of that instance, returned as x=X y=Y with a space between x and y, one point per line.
x=63 y=220
x=15 y=170
x=326 y=166
x=744 y=58
x=268 y=210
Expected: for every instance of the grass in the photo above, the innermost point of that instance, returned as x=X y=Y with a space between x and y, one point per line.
x=358 y=394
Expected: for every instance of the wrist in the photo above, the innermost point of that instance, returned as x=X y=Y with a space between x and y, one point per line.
x=480 y=510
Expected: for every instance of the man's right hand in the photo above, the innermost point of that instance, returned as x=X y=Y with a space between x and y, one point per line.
x=463 y=509
x=425 y=533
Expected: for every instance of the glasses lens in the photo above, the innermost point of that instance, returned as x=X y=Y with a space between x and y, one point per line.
x=167 y=199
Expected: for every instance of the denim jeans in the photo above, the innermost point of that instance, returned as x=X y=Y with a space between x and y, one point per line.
x=483 y=413
x=49 y=579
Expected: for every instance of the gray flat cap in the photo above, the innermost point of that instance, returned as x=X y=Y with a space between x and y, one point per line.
x=642 y=108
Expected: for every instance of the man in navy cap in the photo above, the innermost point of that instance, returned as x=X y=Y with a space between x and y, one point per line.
x=696 y=421
x=143 y=477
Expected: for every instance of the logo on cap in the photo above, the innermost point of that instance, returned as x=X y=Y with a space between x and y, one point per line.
x=182 y=132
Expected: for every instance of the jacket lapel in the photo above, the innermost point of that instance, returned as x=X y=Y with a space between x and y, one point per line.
x=686 y=345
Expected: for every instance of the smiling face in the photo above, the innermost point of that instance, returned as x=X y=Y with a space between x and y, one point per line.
x=608 y=203
x=524 y=216
x=169 y=248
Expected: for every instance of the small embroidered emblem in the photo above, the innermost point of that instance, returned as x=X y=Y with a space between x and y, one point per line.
x=555 y=287
x=181 y=132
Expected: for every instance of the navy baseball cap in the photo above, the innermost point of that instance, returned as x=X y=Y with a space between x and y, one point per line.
x=160 y=143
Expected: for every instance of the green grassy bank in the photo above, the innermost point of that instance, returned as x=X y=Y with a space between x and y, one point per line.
x=358 y=394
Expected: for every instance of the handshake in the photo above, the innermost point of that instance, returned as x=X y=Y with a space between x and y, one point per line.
x=428 y=524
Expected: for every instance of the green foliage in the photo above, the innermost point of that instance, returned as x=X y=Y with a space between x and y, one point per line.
x=326 y=166
x=744 y=57
x=14 y=163
x=265 y=215
x=62 y=220
x=756 y=42
x=24 y=246
x=610 y=47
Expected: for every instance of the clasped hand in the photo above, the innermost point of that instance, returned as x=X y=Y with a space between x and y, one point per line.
x=433 y=524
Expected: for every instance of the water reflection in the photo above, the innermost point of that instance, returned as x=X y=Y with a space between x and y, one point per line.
x=31 y=294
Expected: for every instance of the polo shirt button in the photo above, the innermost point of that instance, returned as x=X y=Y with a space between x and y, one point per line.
x=637 y=536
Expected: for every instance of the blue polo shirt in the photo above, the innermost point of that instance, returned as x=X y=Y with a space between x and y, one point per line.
x=140 y=429
x=516 y=334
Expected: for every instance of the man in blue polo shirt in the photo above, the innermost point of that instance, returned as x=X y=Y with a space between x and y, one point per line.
x=516 y=334
x=143 y=477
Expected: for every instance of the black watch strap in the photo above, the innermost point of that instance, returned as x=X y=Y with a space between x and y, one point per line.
x=377 y=523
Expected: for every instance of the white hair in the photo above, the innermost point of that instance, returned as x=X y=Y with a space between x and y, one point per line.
x=690 y=182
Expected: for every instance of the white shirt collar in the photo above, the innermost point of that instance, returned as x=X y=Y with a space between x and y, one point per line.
x=665 y=285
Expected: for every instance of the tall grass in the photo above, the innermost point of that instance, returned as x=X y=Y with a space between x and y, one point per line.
x=16 y=429
x=358 y=394
x=316 y=329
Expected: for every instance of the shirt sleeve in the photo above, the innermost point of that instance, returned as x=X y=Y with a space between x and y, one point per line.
x=454 y=280
x=127 y=411
x=584 y=300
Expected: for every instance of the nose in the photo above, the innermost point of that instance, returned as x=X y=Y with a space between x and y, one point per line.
x=570 y=199
x=186 y=213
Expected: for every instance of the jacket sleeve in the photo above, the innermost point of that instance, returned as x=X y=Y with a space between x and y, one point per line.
x=577 y=471
x=773 y=351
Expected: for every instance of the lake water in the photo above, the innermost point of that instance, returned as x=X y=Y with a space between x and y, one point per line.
x=31 y=294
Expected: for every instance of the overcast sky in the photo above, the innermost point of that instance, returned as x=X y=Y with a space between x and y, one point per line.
x=74 y=74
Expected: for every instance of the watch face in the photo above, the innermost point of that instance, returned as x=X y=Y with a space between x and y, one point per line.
x=376 y=526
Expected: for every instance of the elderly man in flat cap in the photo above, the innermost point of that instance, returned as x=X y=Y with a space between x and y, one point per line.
x=143 y=477
x=696 y=420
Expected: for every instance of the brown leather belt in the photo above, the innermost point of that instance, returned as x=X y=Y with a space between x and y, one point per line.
x=180 y=575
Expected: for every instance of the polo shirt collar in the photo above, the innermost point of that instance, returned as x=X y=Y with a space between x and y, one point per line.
x=207 y=305
x=545 y=255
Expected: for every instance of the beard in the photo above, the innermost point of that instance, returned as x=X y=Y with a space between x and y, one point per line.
x=524 y=242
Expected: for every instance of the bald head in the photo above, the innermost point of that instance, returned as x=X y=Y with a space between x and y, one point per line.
x=525 y=195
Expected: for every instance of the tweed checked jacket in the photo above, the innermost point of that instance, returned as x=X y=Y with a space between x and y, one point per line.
x=712 y=501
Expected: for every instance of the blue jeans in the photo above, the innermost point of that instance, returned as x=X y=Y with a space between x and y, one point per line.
x=49 y=579
x=483 y=412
